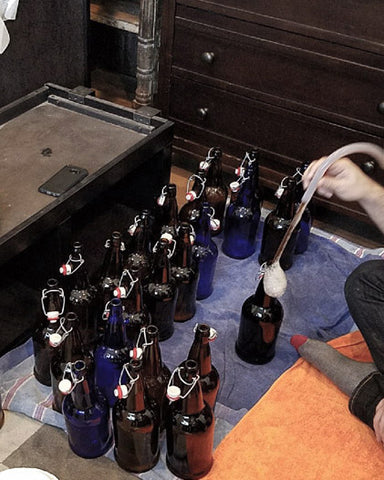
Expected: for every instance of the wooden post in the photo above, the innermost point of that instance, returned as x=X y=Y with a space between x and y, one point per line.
x=148 y=43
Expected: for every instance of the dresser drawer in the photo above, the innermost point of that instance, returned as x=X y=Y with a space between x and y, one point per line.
x=303 y=79
x=286 y=137
x=348 y=20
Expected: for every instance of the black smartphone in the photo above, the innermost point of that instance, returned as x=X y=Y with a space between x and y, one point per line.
x=63 y=180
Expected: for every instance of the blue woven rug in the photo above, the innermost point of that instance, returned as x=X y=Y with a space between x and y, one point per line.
x=314 y=305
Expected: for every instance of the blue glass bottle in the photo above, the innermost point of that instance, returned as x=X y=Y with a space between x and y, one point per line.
x=243 y=216
x=205 y=251
x=86 y=414
x=113 y=352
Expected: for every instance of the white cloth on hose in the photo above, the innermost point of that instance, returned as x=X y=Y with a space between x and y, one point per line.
x=8 y=11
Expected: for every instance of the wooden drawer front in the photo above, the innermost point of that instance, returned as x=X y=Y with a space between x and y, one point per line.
x=345 y=18
x=273 y=70
x=201 y=111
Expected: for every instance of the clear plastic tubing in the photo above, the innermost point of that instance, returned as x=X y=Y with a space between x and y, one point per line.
x=360 y=147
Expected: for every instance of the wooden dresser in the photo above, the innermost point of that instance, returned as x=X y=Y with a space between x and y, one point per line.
x=297 y=79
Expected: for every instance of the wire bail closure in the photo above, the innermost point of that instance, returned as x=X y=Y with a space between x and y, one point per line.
x=191 y=194
x=66 y=385
x=161 y=198
x=122 y=390
x=71 y=265
x=173 y=391
x=55 y=339
x=205 y=164
x=53 y=315
x=121 y=292
x=171 y=241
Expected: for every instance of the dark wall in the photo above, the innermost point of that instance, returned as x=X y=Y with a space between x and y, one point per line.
x=49 y=43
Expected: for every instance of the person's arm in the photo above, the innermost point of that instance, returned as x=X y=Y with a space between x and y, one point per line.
x=347 y=181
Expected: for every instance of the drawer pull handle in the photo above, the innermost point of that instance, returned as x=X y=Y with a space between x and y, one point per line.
x=368 y=167
x=202 y=113
x=380 y=107
x=208 y=57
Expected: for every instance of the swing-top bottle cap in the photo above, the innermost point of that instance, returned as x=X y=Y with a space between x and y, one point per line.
x=234 y=186
x=65 y=386
x=204 y=165
x=239 y=171
x=173 y=392
x=121 y=391
x=136 y=353
x=53 y=316
x=166 y=236
x=66 y=269
x=215 y=224
x=120 y=292
x=212 y=334
x=190 y=196
x=55 y=339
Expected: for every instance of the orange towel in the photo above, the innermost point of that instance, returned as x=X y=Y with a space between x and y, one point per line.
x=302 y=430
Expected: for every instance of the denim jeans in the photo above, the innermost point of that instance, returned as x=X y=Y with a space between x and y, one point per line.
x=364 y=293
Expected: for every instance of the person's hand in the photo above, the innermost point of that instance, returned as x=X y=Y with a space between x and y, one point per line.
x=343 y=179
x=378 y=421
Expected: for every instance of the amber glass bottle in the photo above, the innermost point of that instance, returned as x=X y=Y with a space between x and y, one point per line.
x=68 y=348
x=201 y=352
x=81 y=295
x=140 y=254
x=136 y=426
x=53 y=304
x=111 y=271
x=156 y=374
x=190 y=211
x=160 y=294
x=135 y=313
x=260 y=322
x=189 y=425
x=277 y=223
x=185 y=271
x=216 y=191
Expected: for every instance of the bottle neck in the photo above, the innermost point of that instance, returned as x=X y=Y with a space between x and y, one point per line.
x=82 y=396
x=215 y=173
x=72 y=345
x=261 y=298
x=201 y=353
x=285 y=207
x=134 y=303
x=135 y=402
x=152 y=362
x=203 y=230
x=193 y=403
x=161 y=271
x=183 y=253
x=114 y=335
